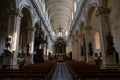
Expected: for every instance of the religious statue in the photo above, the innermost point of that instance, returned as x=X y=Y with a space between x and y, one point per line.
x=110 y=47
x=8 y=45
x=110 y=44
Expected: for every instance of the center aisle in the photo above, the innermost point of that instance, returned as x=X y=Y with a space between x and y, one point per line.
x=61 y=72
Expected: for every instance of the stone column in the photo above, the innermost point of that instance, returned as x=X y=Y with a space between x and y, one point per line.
x=76 y=49
x=73 y=53
x=70 y=46
x=32 y=49
x=82 y=50
x=104 y=12
x=79 y=45
x=79 y=48
x=89 y=36
x=46 y=46
x=29 y=58
x=14 y=30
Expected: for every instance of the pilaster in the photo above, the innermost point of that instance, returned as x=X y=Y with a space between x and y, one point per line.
x=31 y=33
x=73 y=50
x=89 y=36
x=79 y=44
x=103 y=12
x=76 y=50
x=14 y=30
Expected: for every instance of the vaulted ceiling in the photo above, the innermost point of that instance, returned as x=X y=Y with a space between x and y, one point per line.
x=59 y=14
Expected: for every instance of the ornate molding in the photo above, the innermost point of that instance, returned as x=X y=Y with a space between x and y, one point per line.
x=15 y=11
x=103 y=10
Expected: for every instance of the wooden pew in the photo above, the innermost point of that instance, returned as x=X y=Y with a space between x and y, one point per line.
x=42 y=71
x=85 y=71
x=100 y=74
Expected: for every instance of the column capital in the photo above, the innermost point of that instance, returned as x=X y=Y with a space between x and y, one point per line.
x=103 y=10
x=15 y=11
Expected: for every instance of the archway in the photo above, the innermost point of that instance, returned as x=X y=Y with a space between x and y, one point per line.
x=98 y=54
x=97 y=41
x=93 y=26
x=25 y=36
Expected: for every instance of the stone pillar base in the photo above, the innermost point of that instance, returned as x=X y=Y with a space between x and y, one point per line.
x=15 y=67
x=31 y=60
x=28 y=60
x=91 y=60
x=82 y=59
x=110 y=63
x=14 y=60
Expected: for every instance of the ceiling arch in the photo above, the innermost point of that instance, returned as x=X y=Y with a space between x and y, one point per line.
x=61 y=5
x=59 y=19
x=60 y=13
x=58 y=16
x=50 y=3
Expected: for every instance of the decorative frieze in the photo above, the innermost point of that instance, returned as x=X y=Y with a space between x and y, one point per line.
x=103 y=10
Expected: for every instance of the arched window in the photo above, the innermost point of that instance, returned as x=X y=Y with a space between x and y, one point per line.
x=53 y=33
x=66 y=33
x=75 y=6
x=59 y=33
x=97 y=40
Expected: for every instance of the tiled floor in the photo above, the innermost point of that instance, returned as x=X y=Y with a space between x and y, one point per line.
x=61 y=72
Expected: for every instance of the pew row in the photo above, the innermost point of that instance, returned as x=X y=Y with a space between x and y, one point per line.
x=85 y=71
x=42 y=71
